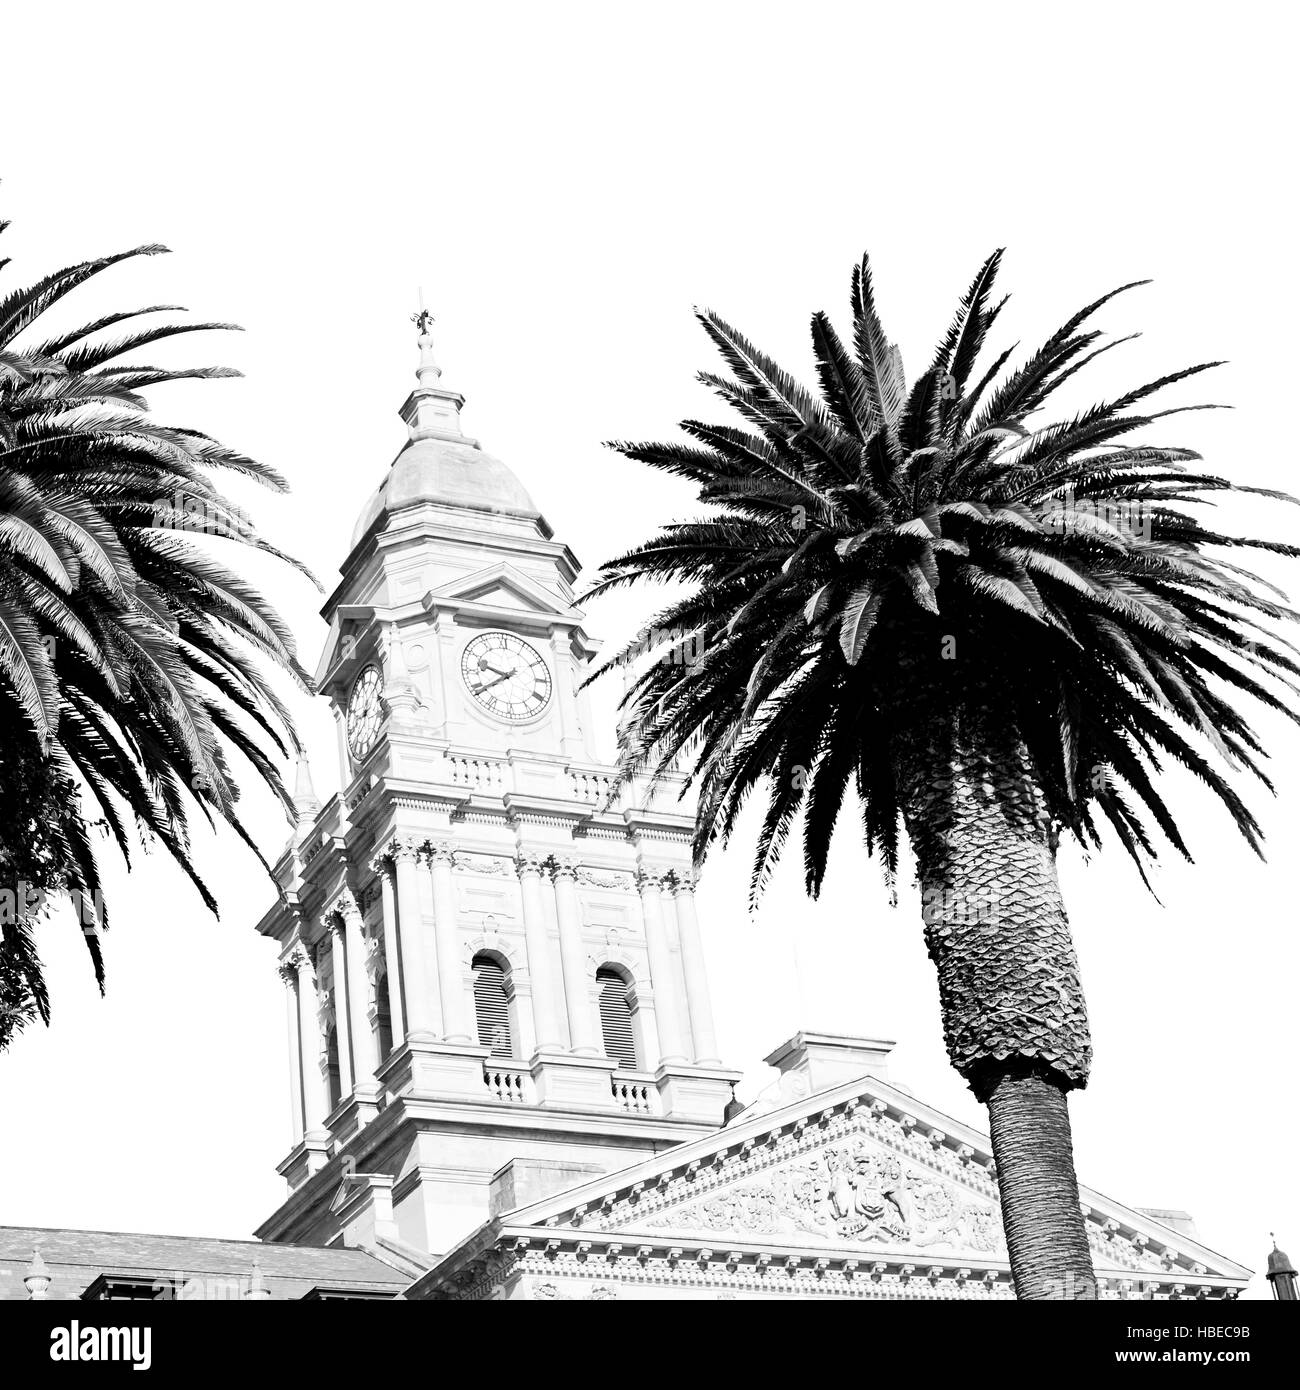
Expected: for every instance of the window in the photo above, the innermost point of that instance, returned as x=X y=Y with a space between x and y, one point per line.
x=616 y=1018
x=492 y=1006
x=130 y=1288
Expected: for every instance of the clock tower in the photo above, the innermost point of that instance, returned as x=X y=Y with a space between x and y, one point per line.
x=492 y=961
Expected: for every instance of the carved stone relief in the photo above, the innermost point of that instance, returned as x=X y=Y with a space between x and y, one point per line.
x=849 y=1191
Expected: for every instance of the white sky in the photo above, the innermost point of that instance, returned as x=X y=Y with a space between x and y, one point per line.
x=565 y=181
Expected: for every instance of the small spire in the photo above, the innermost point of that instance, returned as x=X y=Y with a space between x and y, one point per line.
x=306 y=803
x=37 y=1279
x=257 y=1287
x=432 y=411
x=1281 y=1275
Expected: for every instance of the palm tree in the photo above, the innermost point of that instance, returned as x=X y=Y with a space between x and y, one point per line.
x=131 y=655
x=996 y=636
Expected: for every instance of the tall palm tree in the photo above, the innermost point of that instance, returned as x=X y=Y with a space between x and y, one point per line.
x=994 y=635
x=131 y=655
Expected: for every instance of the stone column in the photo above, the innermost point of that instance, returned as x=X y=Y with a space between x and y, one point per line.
x=365 y=1055
x=537 y=946
x=315 y=1093
x=456 y=1022
x=288 y=970
x=382 y=867
x=668 y=1017
x=697 y=981
x=342 y=1019
x=573 y=960
x=345 y=758
x=423 y=1014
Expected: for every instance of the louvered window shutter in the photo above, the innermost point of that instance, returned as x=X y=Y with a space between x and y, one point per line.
x=491 y=1008
x=616 y=1019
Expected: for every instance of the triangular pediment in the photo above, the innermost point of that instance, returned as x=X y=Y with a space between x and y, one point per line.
x=347 y=622
x=861 y=1170
x=496 y=587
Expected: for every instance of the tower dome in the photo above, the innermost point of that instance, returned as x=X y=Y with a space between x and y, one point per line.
x=440 y=463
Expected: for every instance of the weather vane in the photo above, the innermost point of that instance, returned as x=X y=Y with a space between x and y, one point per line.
x=422 y=318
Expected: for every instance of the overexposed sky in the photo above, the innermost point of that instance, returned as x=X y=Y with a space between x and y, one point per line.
x=565 y=181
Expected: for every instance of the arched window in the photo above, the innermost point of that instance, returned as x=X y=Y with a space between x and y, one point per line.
x=616 y=1018
x=492 y=1006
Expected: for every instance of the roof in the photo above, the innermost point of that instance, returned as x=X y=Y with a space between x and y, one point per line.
x=454 y=473
x=74 y=1259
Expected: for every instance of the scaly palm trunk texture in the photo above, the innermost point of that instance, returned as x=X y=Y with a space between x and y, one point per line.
x=1013 y=1011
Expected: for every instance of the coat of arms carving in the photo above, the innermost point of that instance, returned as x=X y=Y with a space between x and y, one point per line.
x=850 y=1191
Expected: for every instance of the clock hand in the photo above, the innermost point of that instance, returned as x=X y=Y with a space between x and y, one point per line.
x=504 y=676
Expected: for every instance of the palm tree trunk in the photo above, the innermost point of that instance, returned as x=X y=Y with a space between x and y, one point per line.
x=1014 y=1017
x=1030 y=1128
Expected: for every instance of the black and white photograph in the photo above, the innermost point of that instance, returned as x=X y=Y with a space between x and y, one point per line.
x=648 y=654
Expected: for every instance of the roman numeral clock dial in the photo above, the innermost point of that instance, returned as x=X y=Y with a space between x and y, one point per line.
x=506 y=676
x=365 y=712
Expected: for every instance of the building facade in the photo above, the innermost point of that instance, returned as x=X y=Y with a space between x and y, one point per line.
x=502 y=1050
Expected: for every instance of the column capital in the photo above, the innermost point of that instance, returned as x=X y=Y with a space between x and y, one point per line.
x=343 y=912
x=381 y=862
x=563 y=866
x=297 y=959
x=680 y=882
x=439 y=851
x=403 y=849
x=530 y=863
x=651 y=877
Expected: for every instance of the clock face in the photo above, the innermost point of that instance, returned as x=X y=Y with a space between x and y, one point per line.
x=365 y=712
x=506 y=676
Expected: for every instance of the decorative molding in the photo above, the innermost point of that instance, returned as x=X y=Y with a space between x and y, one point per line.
x=489 y=865
x=620 y=879
x=496 y=945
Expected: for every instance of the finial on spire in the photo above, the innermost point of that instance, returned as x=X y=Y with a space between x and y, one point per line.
x=422 y=318
x=429 y=371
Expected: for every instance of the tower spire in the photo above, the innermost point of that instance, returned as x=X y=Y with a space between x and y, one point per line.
x=306 y=804
x=432 y=411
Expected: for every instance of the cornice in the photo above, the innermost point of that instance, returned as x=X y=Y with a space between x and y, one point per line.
x=567 y=1265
